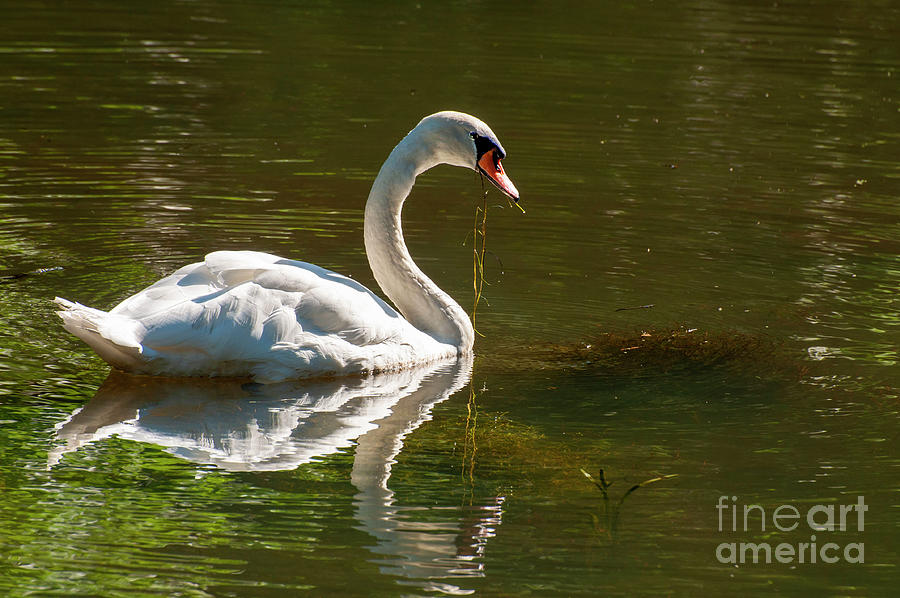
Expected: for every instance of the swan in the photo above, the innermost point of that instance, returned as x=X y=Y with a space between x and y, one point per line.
x=257 y=315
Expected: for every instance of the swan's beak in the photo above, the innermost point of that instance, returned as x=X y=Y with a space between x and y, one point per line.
x=490 y=166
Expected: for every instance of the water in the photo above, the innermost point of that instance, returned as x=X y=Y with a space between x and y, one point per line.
x=733 y=166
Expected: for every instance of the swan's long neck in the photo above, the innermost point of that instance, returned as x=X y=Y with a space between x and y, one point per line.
x=420 y=300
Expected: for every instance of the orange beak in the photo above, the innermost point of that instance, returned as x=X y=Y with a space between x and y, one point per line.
x=489 y=165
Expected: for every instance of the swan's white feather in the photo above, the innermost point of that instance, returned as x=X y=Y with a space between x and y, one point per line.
x=246 y=313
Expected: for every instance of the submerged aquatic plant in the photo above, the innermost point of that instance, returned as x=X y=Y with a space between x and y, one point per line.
x=655 y=350
x=668 y=348
x=610 y=523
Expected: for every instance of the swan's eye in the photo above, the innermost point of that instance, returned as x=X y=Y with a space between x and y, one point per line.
x=483 y=145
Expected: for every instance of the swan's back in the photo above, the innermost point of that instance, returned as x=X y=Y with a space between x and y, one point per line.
x=246 y=313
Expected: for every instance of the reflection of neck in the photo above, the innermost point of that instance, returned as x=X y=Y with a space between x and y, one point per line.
x=377 y=448
x=420 y=300
x=423 y=551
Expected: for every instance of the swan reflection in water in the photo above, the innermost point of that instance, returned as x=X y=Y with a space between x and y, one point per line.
x=254 y=427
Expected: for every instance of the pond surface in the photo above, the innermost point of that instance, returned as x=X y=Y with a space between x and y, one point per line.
x=703 y=289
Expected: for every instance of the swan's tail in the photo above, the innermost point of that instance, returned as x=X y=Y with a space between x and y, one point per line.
x=115 y=338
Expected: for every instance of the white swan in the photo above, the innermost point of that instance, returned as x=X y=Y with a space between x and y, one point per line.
x=246 y=313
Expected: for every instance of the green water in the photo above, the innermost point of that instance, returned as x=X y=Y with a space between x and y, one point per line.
x=736 y=167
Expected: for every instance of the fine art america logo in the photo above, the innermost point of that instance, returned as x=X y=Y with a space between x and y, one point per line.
x=787 y=518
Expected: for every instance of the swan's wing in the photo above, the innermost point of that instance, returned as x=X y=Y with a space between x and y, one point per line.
x=242 y=313
x=239 y=305
x=217 y=272
x=252 y=288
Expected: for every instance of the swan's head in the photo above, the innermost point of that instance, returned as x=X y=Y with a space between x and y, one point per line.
x=462 y=140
